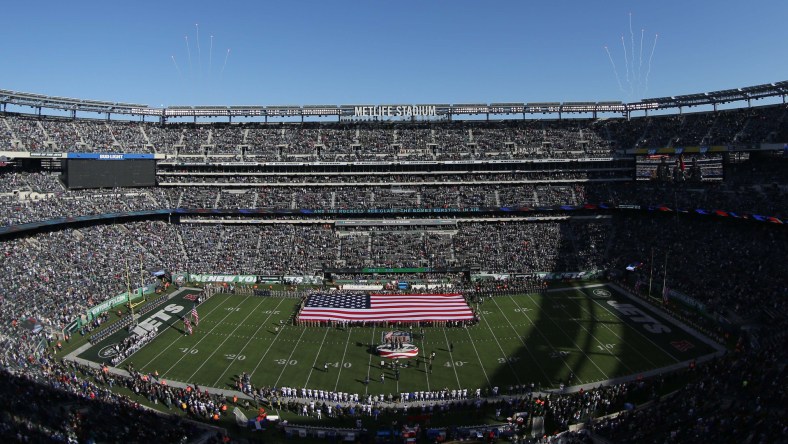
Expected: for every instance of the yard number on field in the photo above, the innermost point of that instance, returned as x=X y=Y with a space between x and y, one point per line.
x=342 y=364
x=455 y=363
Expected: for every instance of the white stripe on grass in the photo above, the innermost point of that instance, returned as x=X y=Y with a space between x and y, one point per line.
x=172 y=326
x=205 y=335
x=262 y=324
x=640 y=333
x=369 y=366
x=616 y=317
x=229 y=312
x=426 y=370
x=604 y=324
x=577 y=346
x=549 y=344
x=451 y=357
x=216 y=349
x=342 y=364
x=284 y=367
x=481 y=364
x=503 y=353
x=271 y=344
x=527 y=349
x=317 y=355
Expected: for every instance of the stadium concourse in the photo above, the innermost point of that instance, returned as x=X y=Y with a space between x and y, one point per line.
x=733 y=267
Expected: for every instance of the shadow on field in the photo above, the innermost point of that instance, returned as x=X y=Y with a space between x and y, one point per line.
x=556 y=350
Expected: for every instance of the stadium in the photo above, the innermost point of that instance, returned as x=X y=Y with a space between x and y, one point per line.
x=389 y=269
x=586 y=255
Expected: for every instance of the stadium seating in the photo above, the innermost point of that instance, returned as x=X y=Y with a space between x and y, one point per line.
x=731 y=266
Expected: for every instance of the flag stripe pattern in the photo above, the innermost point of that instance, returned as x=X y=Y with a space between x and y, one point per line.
x=195 y=316
x=385 y=307
x=396 y=354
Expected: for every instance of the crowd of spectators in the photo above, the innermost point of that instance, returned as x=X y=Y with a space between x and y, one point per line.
x=51 y=400
x=731 y=267
x=457 y=140
x=36 y=196
x=739 y=397
x=57 y=288
x=184 y=177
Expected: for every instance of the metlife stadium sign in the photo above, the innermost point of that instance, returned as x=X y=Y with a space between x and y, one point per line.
x=395 y=111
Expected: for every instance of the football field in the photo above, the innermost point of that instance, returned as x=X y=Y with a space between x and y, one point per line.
x=594 y=333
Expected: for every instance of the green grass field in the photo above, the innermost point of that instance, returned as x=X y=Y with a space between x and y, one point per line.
x=521 y=339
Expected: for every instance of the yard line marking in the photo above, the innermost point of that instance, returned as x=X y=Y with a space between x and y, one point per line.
x=271 y=344
x=343 y=357
x=614 y=316
x=589 y=358
x=639 y=332
x=317 y=355
x=479 y=358
x=549 y=344
x=206 y=335
x=172 y=326
x=451 y=357
x=284 y=367
x=426 y=370
x=503 y=353
x=369 y=366
x=520 y=338
x=262 y=324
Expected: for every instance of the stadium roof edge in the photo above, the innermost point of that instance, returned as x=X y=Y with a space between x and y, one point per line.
x=17 y=98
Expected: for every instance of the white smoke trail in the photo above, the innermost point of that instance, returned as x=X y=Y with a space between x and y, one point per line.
x=653 y=47
x=615 y=71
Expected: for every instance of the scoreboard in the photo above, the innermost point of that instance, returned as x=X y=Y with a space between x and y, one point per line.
x=109 y=172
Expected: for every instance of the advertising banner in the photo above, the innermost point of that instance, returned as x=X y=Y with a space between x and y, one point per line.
x=181 y=278
x=108 y=156
x=118 y=300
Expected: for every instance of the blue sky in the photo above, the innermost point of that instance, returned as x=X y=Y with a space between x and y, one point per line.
x=348 y=52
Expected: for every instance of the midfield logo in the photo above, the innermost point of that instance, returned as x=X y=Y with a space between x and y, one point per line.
x=108 y=351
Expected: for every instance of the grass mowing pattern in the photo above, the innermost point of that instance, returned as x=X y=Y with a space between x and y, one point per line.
x=521 y=339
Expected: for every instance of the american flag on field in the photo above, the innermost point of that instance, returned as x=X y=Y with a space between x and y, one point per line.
x=188 y=325
x=195 y=316
x=385 y=307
